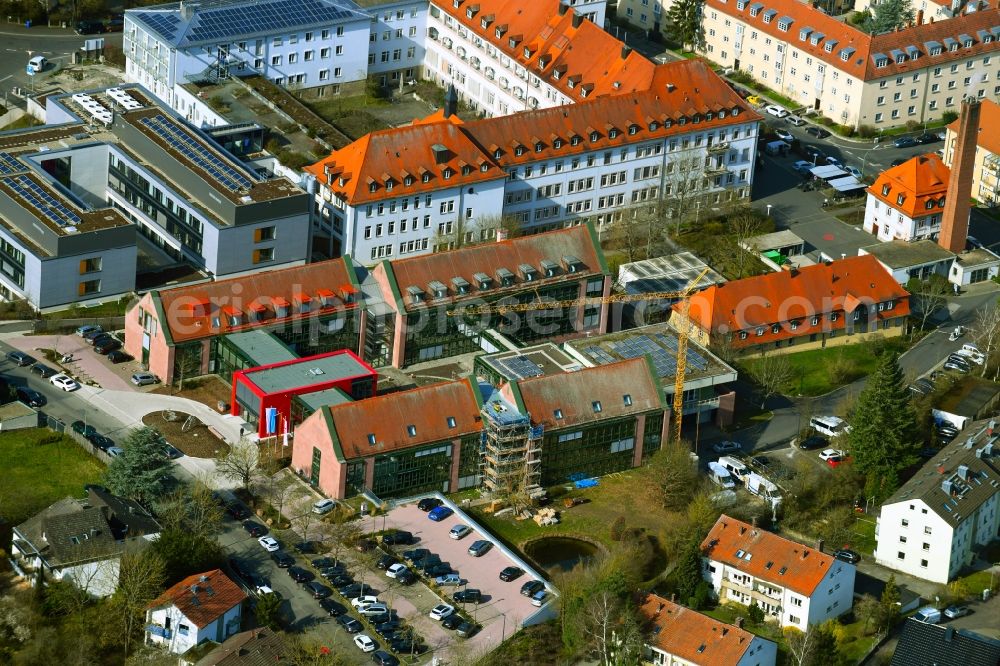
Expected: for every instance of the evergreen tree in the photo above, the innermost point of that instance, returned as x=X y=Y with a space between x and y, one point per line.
x=890 y=603
x=889 y=15
x=683 y=21
x=883 y=438
x=688 y=572
x=755 y=613
x=140 y=471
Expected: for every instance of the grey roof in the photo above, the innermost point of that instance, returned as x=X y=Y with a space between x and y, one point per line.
x=903 y=254
x=307 y=371
x=977 y=257
x=191 y=23
x=960 y=478
x=969 y=397
x=541 y=359
x=776 y=240
x=922 y=644
x=317 y=400
x=261 y=347
x=672 y=272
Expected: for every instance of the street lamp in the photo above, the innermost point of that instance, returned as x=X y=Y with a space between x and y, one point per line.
x=769 y=210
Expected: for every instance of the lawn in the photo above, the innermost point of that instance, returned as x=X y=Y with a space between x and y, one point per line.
x=864 y=535
x=40 y=468
x=108 y=309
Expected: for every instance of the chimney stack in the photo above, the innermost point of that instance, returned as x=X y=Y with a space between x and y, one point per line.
x=955 y=220
x=450 y=101
x=562 y=9
x=920 y=17
x=577 y=20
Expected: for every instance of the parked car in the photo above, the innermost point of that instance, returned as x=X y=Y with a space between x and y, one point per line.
x=82 y=428
x=281 y=558
x=338 y=580
x=86 y=329
x=385 y=561
x=441 y=611
x=460 y=531
x=326 y=563
x=955 y=612
x=383 y=658
x=323 y=506
x=469 y=595
x=64 y=382
x=364 y=600
x=395 y=569
x=725 y=447
x=406 y=578
x=299 y=574
x=115 y=451
x=373 y=609
x=927 y=614
x=30 y=397
x=144 y=378
x=333 y=608
x=452 y=621
x=106 y=346
x=755 y=100
x=318 y=589
x=802 y=167
x=239 y=568
x=397 y=538
x=429 y=503
x=532 y=586
x=365 y=643
x=254 y=529
x=467 y=630
x=480 y=547
x=354 y=590
x=974 y=356
x=813 y=442
x=440 y=569
x=43 y=371
x=833 y=161
x=118 y=356
x=784 y=135
x=440 y=513
x=511 y=573
x=415 y=554
x=798 y=121
x=100 y=441
x=955 y=367
x=268 y=543
x=814 y=153
x=854 y=171
x=960 y=360
x=847 y=555
x=98 y=339
x=406 y=646
x=817 y=132
x=833 y=457
x=448 y=580
x=539 y=598
x=20 y=359
x=350 y=624
x=904 y=142
x=776 y=111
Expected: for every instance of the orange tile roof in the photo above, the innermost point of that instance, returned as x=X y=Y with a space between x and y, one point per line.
x=989 y=116
x=769 y=555
x=437 y=117
x=202 y=601
x=388 y=417
x=535 y=35
x=678 y=100
x=785 y=296
x=487 y=258
x=692 y=636
x=921 y=180
x=574 y=393
x=255 y=291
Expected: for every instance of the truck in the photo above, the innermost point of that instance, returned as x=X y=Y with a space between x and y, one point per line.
x=720 y=476
x=761 y=487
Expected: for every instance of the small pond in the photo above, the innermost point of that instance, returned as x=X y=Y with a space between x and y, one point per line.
x=560 y=553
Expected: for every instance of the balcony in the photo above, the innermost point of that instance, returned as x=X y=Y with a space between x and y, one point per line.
x=716 y=148
x=713 y=170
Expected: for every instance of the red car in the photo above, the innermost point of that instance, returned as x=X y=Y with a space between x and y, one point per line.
x=833 y=457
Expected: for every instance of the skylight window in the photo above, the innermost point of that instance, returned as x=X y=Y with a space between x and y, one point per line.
x=596 y=405
x=451 y=422
x=411 y=430
x=627 y=399
x=371 y=439
x=558 y=413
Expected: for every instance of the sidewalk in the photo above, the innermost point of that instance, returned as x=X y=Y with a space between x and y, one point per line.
x=87 y=365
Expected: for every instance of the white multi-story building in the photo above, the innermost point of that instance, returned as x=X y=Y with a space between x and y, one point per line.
x=906 y=202
x=929 y=527
x=986 y=174
x=795 y=585
x=440 y=182
x=503 y=57
x=396 y=42
x=202 y=607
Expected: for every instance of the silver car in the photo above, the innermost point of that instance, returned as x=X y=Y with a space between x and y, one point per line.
x=144 y=378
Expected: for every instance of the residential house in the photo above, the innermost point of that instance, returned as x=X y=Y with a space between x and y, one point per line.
x=680 y=636
x=256 y=647
x=826 y=64
x=814 y=306
x=202 y=607
x=906 y=202
x=795 y=585
x=986 y=177
x=929 y=527
x=943 y=645
x=685 y=141
x=81 y=541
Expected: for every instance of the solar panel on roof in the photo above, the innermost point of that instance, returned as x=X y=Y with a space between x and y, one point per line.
x=520 y=367
x=43 y=202
x=195 y=151
x=9 y=164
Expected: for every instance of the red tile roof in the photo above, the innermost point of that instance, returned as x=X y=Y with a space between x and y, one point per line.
x=388 y=417
x=691 y=636
x=921 y=180
x=989 y=116
x=853 y=51
x=202 y=601
x=189 y=309
x=766 y=556
x=787 y=296
x=681 y=97
x=535 y=35
x=574 y=394
x=487 y=258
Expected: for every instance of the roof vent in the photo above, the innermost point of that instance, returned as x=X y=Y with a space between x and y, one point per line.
x=946 y=487
x=671 y=87
x=963 y=472
x=315 y=371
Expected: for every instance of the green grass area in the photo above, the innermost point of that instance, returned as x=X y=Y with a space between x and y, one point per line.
x=978 y=581
x=864 y=535
x=23 y=122
x=108 y=309
x=41 y=467
x=819 y=371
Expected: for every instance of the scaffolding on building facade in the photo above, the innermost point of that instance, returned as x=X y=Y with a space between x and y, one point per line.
x=510 y=452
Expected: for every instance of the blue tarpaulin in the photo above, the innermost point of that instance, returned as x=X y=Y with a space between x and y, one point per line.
x=586 y=483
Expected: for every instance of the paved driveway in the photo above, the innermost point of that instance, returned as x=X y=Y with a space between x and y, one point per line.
x=88 y=364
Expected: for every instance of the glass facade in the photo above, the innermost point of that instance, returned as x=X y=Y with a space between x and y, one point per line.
x=652 y=434
x=355 y=477
x=12 y=262
x=379 y=333
x=594 y=450
x=413 y=471
x=468 y=462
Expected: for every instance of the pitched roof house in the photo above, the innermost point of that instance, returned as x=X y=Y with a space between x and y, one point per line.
x=939 y=645
x=202 y=607
x=906 y=202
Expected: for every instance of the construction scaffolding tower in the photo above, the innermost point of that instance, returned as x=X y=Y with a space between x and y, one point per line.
x=510 y=451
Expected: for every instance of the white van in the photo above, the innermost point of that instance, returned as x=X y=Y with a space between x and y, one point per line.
x=831 y=426
x=734 y=467
x=720 y=476
x=766 y=490
x=37 y=64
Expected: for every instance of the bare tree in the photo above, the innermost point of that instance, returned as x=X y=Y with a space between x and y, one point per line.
x=304 y=522
x=771 y=373
x=867 y=609
x=601 y=618
x=340 y=534
x=987 y=333
x=278 y=489
x=240 y=464
x=191 y=509
x=140 y=579
x=675 y=475
x=684 y=183
x=928 y=297
x=802 y=646
x=187 y=363
x=742 y=228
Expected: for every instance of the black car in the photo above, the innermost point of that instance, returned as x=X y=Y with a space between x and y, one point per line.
x=397 y=538
x=384 y=618
x=386 y=561
x=901 y=160
x=532 y=586
x=817 y=132
x=332 y=572
x=43 y=371
x=343 y=580
x=815 y=154
x=300 y=575
x=318 y=590
x=469 y=595
x=20 y=359
x=427 y=561
x=406 y=578
x=406 y=646
x=95 y=333
x=452 y=621
x=99 y=338
x=511 y=573
x=813 y=442
x=254 y=529
x=325 y=562
x=467 y=629
x=30 y=397
x=100 y=441
x=238 y=510
x=429 y=503
x=82 y=428
x=305 y=547
x=354 y=590
x=89 y=27
x=118 y=356
x=415 y=554
x=440 y=569
x=928 y=138
x=332 y=607
x=383 y=658
x=282 y=559
x=904 y=142
x=845 y=555
x=349 y=624
x=238 y=568
x=106 y=346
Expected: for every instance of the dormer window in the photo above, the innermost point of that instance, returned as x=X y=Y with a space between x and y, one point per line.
x=416 y=294
x=557 y=143
x=426 y=178
x=596 y=406
x=501 y=29
x=506 y=277
x=496 y=154
x=594 y=136
x=885 y=190
x=929 y=205
x=341 y=181
x=448 y=173
x=538 y=147
x=613 y=133
x=527 y=52
x=551 y=268
x=519 y=151
x=372 y=187
x=484 y=167
x=528 y=272
x=281 y=308
x=466 y=170
x=216 y=322
x=411 y=430
x=438 y=289
x=462 y=286
x=653 y=126
x=388 y=185
x=557 y=413
x=900 y=198
x=574 y=140
x=408 y=181
x=483 y=280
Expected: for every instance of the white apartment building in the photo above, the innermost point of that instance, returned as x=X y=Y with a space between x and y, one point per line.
x=906 y=202
x=504 y=57
x=796 y=586
x=986 y=174
x=202 y=607
x=440 y=182
x=855 y=79
x=929 y=526
x=396 y=41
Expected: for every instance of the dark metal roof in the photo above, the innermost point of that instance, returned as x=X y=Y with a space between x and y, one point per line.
x=922 y=644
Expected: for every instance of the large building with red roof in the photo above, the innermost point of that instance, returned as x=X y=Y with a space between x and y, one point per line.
x=816 y=306
x=906 y=202
x=826 y=64
x=684 y=138
x=795 y=585
x=986 y=177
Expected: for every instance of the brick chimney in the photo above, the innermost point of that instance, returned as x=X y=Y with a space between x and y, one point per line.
x=920 y=17
x=955 y=221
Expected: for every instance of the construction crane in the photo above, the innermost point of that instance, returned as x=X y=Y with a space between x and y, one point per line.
x=682 y=328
